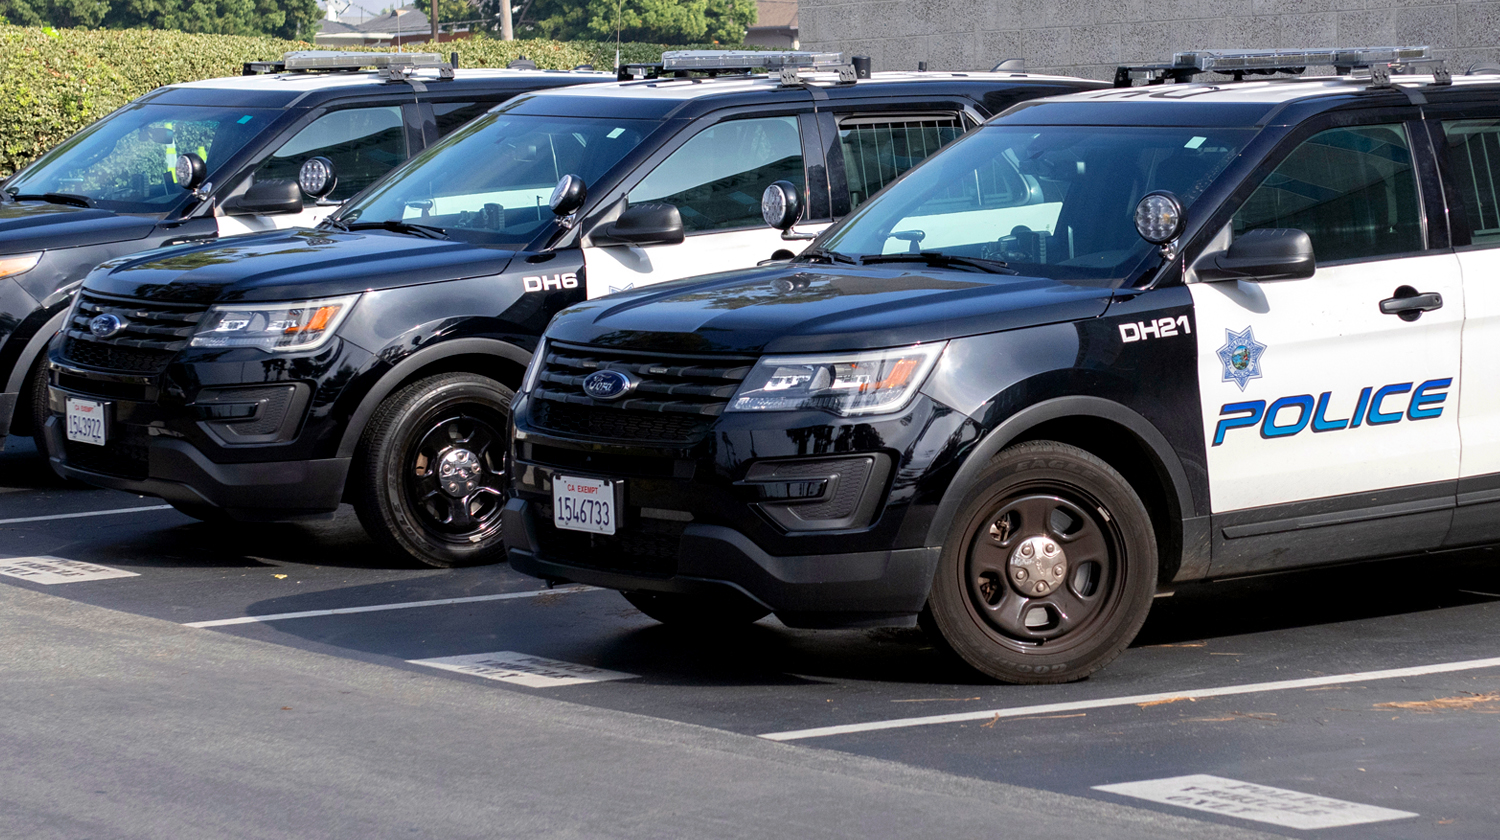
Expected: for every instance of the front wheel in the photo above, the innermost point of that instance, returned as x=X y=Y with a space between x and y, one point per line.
x=430 y=470
x=1050 y=570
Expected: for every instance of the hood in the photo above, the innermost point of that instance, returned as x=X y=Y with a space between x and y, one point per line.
x=288 y=265
x=806 y=308
x=38 y=226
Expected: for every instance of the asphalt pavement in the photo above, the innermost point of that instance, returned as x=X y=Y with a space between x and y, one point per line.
x=287 y=680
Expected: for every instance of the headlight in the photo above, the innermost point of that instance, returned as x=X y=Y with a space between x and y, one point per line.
x=19 y=263
x=276 y=327
x=841 y=383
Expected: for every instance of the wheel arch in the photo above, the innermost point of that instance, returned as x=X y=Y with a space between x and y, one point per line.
x=1099 y=426
x=500 y=360
x=33 y=353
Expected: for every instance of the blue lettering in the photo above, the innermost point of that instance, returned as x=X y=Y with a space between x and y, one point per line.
x=1304 y=404
x=1381 y=418
x=1256 y=409
x=1359 y=409
x=1420 y=399
x=1321 y=423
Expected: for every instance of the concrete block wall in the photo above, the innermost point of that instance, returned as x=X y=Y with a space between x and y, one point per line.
x=1091 y=37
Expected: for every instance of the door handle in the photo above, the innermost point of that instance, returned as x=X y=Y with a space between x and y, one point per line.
x=1408 y=304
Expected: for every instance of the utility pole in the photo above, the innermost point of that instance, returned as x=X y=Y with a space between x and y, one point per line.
x=434 y=12
x=506 y=32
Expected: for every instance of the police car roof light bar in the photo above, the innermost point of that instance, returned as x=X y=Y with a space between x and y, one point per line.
x=392 y=65
x=683 y=63
x=1241 y=63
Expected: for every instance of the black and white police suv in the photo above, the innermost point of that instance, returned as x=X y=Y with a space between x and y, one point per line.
x=372 y=359
x=212 y=158
x=1107 y=344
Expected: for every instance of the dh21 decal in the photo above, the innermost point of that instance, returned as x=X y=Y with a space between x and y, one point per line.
x=1375 y=407
x=1160 y=328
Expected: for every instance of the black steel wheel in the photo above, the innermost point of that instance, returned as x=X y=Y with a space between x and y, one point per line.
x=430 y=470
x=1050 y=570
x=700 y=611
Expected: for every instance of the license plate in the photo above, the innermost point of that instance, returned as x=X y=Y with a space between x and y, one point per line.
x=85 y=420
x=584 y=504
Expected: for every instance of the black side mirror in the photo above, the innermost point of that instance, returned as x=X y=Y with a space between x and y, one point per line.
x=266 y=198
x=652 y=223
x=190 y=171
x=1266 y=254
x=569 y=195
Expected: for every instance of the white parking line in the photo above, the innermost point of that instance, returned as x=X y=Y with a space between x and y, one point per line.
x=472 y=599
x=81 y=515
x=1107 y=702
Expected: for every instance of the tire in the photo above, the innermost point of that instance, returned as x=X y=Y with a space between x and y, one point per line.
x=698 y=611
x=407 y=506
x=1050 y=569
x=36 y=408
x=202 y=513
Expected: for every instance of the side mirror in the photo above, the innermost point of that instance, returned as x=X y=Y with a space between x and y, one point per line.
x=644 y=224
x=569 y=195
x=317 y=177
x=266 y=198
x=190 y=171
x=781 y=205
x=1266 y=254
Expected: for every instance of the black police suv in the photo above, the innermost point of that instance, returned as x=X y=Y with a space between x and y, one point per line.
x=115 y=189
x=1106 y=344
x=373 y=358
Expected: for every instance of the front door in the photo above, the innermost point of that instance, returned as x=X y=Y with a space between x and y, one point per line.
x=1332 y=425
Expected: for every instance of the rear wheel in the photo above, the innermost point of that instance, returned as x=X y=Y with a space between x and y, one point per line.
x=430 y=470
x=1050 y=570
x=704 y=611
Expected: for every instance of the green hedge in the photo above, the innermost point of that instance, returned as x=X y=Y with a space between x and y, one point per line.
x=54 y=82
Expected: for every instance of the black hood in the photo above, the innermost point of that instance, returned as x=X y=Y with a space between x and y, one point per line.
x=288 y=265
x=38 y=226
x=806 y=308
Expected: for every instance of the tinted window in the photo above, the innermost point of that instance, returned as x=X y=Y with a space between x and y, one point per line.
x=363 y=143
x=451 y=115
x=876 y=152
x=716 y=178
x=1474 y=150
x=1351 y=189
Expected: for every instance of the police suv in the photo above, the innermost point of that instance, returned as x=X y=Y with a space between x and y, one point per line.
x=194 y=161
x=372 y=359
x=1107 y=344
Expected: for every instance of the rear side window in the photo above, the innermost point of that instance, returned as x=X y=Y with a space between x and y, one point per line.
x=451 y=115
x=1474 y=153
x=1351 y=189
x=716 y=178
x=363 y=143
x=879 y=150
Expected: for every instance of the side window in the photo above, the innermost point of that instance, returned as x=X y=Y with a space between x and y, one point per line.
x=1474 y=153
x=878 y=150
x=363 y=143
x=1351 y=189
x=717 y=177
x=451 y=115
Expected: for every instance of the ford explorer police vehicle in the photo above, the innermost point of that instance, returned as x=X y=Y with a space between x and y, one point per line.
x=1106 y=344
x=204 y=159
x=372 y=359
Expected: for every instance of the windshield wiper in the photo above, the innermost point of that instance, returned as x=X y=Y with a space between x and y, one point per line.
x=398 y=226
x=831 y=256
x=940 y=260
x=56 y=198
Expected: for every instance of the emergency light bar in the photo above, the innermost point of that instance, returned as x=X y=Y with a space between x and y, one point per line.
x=682 y=63
x=1240 y=63
x=314 y=61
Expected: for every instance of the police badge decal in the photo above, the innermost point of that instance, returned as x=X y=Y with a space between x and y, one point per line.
x=1241 y=356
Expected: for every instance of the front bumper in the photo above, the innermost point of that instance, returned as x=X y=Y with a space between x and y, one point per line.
x=823 y=590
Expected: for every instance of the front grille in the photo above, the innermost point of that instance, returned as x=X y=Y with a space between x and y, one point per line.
x=152 y=334
x=102 y=388
x=122 y=456
x=675 y=398
x=645 y=546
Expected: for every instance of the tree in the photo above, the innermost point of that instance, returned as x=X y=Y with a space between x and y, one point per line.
x=82 y=14
x=452 y=11
x=651 y=21
x=279 y=18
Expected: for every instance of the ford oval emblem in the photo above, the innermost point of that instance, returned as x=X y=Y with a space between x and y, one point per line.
x=106 y=325
x=608 y=384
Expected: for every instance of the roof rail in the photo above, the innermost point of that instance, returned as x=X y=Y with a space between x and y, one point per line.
x=788 y=63
x=1379 y=61
x=392 y=66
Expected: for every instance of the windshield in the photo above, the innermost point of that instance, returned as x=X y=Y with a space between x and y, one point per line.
x=490 y=181
x=125 y=161
x=1051 y=201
